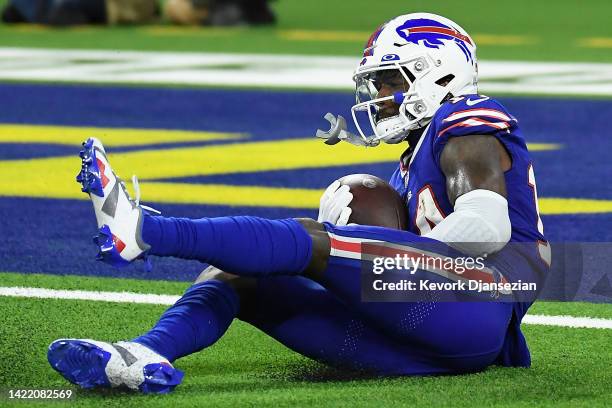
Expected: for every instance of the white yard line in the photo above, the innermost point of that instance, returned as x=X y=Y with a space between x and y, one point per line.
x=262 y=70
x=166 y=300
x=118 y=297
x=568 y=321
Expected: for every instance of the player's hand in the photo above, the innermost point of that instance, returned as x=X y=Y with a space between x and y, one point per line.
x=334 y=205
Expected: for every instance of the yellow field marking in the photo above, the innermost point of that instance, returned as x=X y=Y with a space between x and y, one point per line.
x=205 y=194
x=556 y=206
x=219 y=194
x=508 y=40
x=542 y=147
x=323 y=35
x=39 y=28
x=73 y=136
x=115 y=137
x=54 y=177
x=219 y=159
x=28 y=28
x=240 y=196
x=253 y=196
x=350 y=36
x=191 y=30
x=301 y=35
x=596 y=42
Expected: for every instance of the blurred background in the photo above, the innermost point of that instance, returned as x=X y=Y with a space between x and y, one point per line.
x=526 y=30
x=214 y=104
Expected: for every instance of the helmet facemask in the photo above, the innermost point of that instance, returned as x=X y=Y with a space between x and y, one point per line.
x=415 y=108
x=437 y=59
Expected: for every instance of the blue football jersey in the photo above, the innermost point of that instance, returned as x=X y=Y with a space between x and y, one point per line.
x=422 y=184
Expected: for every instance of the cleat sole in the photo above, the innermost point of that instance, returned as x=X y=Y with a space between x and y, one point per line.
x=160 y=378
x=89 y=177
x=80 y=362
x=107 y=248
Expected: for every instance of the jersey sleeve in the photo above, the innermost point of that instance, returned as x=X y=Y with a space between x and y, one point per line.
x=397 y=182
x=473 y=115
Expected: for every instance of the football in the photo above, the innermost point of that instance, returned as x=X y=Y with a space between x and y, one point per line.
x=375 y=202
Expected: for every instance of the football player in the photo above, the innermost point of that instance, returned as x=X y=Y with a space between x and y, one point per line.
x=468 y=183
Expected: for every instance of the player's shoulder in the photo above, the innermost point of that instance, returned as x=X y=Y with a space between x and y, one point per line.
x=472 y=103
x=473 y=114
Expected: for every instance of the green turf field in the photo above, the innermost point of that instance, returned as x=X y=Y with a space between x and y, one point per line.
x=564 y=30
x=247 y=367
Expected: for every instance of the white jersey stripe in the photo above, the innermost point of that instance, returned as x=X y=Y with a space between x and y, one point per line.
x=351 y=248
x=473 y=122
x=490 y=113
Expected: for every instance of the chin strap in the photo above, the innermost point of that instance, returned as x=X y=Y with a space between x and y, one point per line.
x=338 y=132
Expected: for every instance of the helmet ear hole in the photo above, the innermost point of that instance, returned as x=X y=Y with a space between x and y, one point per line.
x=409 y=115
x=445 y=80
x=409 y=74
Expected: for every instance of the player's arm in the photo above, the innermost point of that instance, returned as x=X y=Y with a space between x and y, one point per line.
x=474 y=162
x=474 y=167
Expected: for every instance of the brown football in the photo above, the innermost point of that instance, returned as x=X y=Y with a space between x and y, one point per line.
x=375 y=202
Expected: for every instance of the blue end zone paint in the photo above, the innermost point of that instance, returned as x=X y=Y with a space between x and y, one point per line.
x=309 y=178
x=580 y=125
x=54 y=236
x=578 y=227
x=16 y=151
x=267 y=115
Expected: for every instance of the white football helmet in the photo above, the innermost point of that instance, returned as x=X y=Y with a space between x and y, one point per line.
x=437 y=59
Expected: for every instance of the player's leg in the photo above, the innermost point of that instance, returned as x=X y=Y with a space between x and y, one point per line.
x=198 y=319
x=289 y=309
x=478 y=327
x=280 y=248
x=248 y=246
x=270 y=244
x=201 y=316
x=305 y=317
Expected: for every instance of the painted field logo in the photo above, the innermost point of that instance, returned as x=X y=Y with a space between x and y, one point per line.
x=432 y=34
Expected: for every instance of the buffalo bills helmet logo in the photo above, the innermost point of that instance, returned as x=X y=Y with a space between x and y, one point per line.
x=432 y=32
